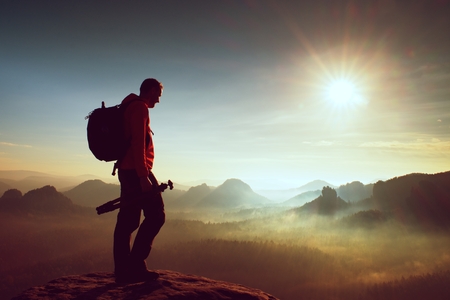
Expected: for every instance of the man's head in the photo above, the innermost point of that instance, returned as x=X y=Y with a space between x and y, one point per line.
x=151 y=89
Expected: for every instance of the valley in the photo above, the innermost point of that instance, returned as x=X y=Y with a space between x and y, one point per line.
x=381 y=246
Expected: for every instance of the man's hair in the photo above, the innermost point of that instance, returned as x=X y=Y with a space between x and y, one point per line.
x=150 y=83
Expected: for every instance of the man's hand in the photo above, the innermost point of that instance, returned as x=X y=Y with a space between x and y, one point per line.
x=146 y=185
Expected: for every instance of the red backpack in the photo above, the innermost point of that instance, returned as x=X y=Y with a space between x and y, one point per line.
x=106 y=133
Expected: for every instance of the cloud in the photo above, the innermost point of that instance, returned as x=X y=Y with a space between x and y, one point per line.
x=83 y=155
x=14 y=145
x=435 y=145
x=320 y=143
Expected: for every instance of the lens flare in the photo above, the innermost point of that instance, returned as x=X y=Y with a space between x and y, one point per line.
x=342 y=92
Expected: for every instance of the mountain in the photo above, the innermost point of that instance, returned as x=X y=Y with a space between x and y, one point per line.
x=284 y=195
x=19 y=174
x=93 y=193
x=314 y=185
x=302 y=198
x=29 y=180
x=429 y=204
x=45 y=200
x=189 y=198
x=422 y=199
x=4 y=187
x=350 y=192
x=34 y=182
x=329 y=203
x=232 y=194
x=354 y=191
x=392 y=194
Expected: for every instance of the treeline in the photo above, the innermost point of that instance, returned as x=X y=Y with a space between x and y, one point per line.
x=249 y=263
x=292 y=272
x=38 y=248
x=428 y=286
x=280 y=256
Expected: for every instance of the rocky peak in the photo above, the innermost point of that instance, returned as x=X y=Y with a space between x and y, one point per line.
x=170 y=285
x=12 y=194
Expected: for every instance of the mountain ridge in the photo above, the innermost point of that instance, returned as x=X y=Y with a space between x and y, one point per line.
x=93 y=193
x=232 y=194
x=45 y=200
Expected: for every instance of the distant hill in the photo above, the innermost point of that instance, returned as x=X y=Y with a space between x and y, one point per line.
x=392 y=194
x=93 y=193
x=354 y=191
x=314 y=185
x=45 y=200
x=419 y=198
x=181 y=187
x=350 y=192
x=29 y=180
x=232 y=194
x=190 y=198
x=4 y=187
x=284 y=195
x=328 y=203
x=20 y=174
x=302 y=198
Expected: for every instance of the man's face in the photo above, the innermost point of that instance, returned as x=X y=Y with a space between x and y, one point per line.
x=153 y=97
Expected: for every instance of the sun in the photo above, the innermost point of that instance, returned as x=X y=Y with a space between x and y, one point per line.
x=342 y=92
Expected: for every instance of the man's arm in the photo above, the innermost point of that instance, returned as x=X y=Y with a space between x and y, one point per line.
x=146 y=185
x=139 y=124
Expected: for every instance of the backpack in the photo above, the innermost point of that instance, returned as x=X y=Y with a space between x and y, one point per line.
x=106 y=133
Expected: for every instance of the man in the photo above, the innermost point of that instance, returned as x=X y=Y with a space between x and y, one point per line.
x=136 y=178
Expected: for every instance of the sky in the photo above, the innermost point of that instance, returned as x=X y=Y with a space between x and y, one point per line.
x=275 y=93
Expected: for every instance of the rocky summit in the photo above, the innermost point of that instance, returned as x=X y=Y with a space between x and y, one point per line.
x=170 y=285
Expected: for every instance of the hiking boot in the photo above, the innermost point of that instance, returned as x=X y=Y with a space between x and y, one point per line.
x=143 y=276
x=146 y=275
x=122 y=280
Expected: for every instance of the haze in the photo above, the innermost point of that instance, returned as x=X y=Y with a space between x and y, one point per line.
x=387 y=240
x=246 y=86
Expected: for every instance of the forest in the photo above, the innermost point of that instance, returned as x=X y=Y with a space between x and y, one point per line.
x=376 y=253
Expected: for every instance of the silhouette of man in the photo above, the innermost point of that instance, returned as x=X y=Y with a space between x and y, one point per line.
x=135 y=177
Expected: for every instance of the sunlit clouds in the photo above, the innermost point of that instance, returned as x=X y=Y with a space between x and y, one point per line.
x=247 y=87
x=422 y=147
x=14 y=145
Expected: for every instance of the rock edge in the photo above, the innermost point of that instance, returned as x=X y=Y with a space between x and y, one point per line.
x=170 y=285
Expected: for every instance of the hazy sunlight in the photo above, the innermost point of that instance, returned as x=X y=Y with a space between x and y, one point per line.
x=341 y=92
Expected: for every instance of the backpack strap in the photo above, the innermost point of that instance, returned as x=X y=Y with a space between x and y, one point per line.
x=147 y=140
x=115 y=167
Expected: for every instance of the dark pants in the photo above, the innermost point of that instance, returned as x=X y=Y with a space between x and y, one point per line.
x=126 y=259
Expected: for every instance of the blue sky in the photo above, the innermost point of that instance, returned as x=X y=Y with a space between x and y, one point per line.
x=246 y=86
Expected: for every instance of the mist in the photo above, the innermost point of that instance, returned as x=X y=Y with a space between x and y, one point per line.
x=326 y=248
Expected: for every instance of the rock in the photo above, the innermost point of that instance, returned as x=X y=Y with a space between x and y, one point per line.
x=170 y=285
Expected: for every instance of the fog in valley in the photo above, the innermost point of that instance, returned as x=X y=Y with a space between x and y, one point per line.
x=387 y=240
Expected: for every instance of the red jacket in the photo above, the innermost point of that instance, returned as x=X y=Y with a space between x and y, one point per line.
x=140 y=154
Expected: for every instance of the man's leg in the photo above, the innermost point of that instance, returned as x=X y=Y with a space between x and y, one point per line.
x=154 y=220
x=128 y=220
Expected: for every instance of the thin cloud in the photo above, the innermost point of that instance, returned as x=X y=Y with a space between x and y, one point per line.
x=83 y=155
x=435 y=145
x=320 y=143
x=15 y=145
